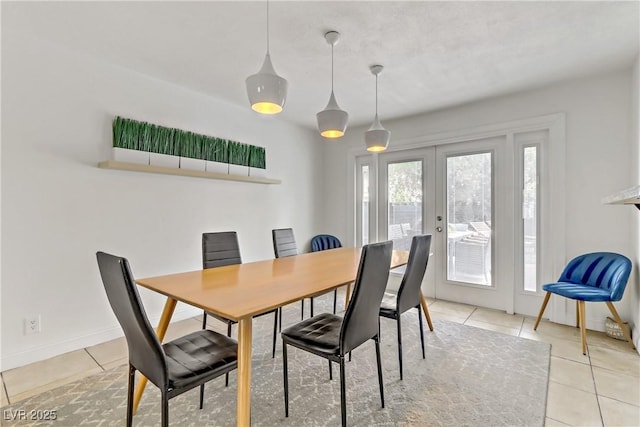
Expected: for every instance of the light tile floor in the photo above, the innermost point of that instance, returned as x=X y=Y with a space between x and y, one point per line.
x=599 y=389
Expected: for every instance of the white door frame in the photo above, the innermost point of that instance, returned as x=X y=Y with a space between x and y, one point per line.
x=553 y=257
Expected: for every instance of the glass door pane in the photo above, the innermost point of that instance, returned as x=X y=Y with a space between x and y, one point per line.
x=364 y=207
x=469 y=210
x=530 y=218
x=365 y=213
x=404 y=206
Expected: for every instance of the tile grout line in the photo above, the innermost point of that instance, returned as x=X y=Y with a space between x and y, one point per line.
x=469 y=316
x=595 y=386
x=4 y=389
x=94 y=359
x=522 y=327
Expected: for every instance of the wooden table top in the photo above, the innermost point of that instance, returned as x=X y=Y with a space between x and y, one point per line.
x=239 y=291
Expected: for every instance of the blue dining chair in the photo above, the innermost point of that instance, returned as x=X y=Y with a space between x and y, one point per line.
x=323 y=242
x=599 y=277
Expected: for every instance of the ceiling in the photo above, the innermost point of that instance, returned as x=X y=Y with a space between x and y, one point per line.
x=435 y=54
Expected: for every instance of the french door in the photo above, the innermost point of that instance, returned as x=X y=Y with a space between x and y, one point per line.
x=480 y=201
x=474 y=192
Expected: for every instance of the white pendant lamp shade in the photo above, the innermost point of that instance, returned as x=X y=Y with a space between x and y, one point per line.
x=267 y=91
x=377 y=137
x=332 y=121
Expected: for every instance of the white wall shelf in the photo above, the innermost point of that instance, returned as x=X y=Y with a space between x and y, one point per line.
x=630 y=196
x=134 y=167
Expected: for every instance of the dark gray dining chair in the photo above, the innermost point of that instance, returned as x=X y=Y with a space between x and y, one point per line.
x=408 y=296
x=220 y=249
x=332 y=337
x=174 y=367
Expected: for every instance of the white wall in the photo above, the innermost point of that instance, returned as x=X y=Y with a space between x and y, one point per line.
x=58 y=208
x=634 y=285
x=598 y=159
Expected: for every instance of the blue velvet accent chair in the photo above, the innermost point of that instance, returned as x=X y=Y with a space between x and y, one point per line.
x=597 y=277
x=323 y=242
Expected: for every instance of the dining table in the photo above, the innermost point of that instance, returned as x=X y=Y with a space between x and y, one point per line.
x=240 y=292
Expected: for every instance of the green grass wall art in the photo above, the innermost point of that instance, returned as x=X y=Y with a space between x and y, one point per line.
x=142 y=136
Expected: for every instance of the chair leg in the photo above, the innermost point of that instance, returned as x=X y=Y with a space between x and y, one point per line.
x=302 y=309
x=279 y=319
x=201 y=396
x=335 y=300
x=421 y=330
x=226 y=376
x=544 y=305
x=618 y=320
x=583 y=326
x=399 y=344
x=165 y=409
x=311 y=304
x=330 y=371
x=343 y=393
x=577 y=314
x=275 y=333
x=286 y=379
x=132 y=379
x=204 y=320
x=379 y=360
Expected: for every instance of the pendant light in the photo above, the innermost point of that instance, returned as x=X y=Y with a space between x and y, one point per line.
x=332 y=121
x=377 y=137
x=267 y=91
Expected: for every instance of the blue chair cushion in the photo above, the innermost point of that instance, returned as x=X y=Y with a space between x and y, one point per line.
x=322 y=242
x=577 y=291
x=593 y=276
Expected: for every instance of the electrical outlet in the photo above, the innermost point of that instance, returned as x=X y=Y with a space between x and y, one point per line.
x=32 y=325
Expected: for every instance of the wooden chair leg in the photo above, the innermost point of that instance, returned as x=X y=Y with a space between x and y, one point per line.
x=544 y=305
x=618 y=320
x=577 y=314
x=583 y=325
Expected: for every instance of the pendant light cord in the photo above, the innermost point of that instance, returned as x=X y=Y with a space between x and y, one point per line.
x=267 y=26
x=376 y=95
x=332 y=67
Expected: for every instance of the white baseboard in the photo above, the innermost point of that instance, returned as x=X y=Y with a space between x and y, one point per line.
x=36 y=354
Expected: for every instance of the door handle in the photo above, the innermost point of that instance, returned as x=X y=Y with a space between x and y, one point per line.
x=439 y=229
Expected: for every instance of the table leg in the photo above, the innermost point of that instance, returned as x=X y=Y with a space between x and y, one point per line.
x=347 y=296
x=423 y=303
x=244 y=372
x=161 y=330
